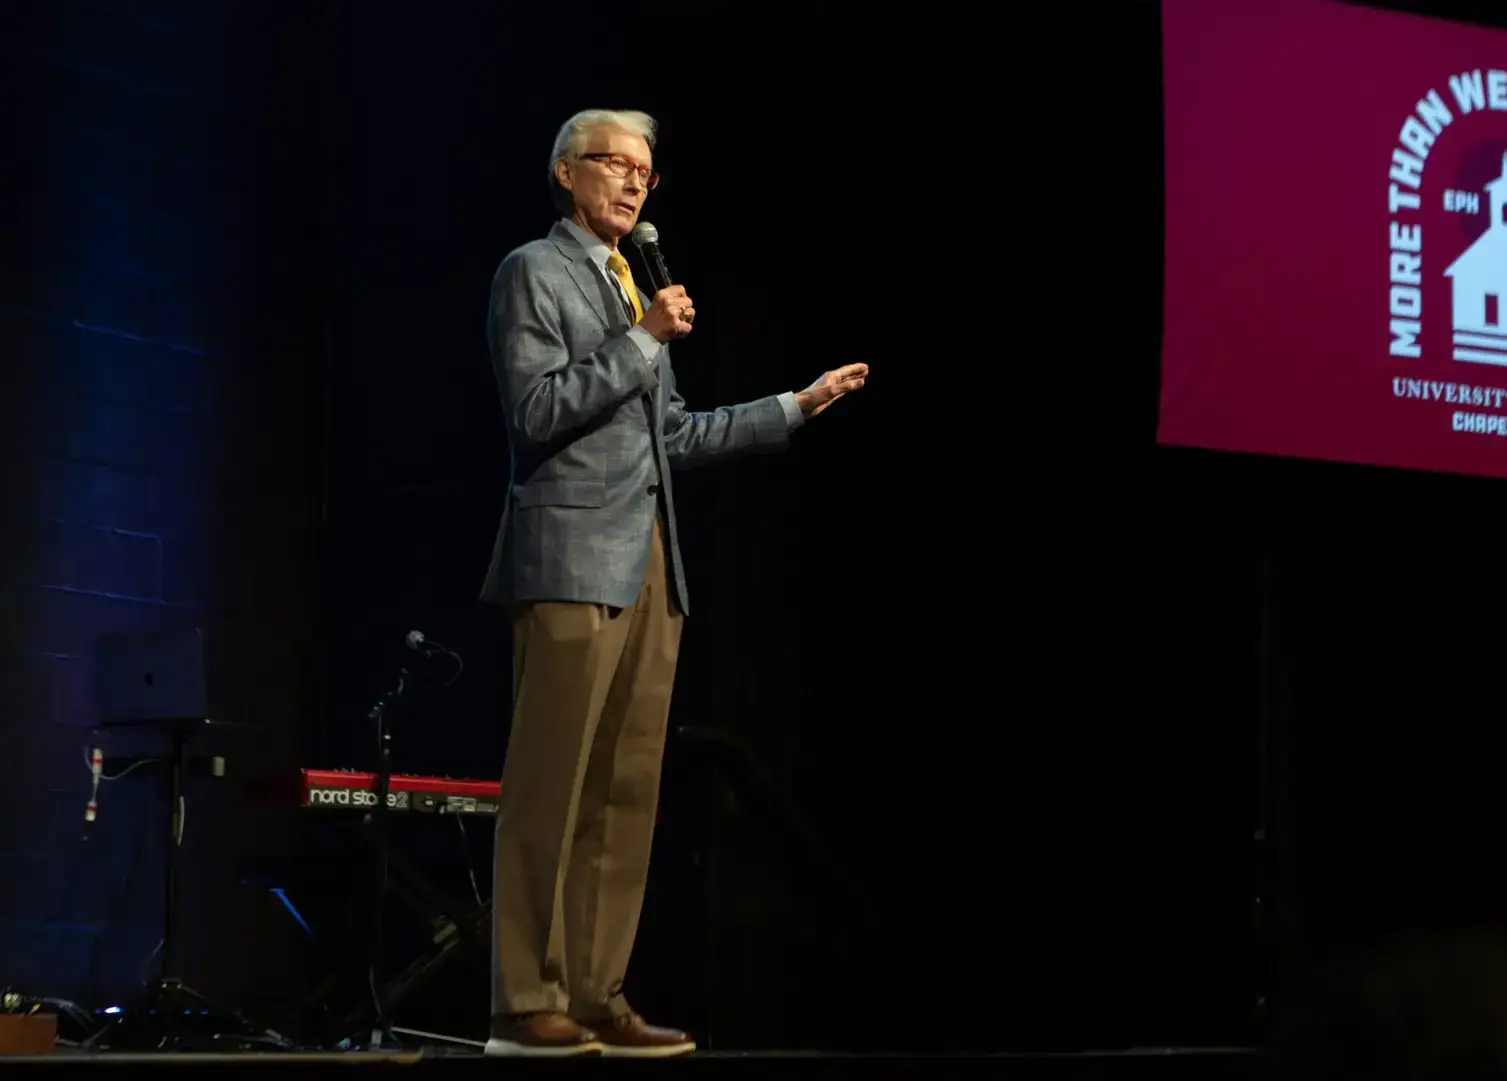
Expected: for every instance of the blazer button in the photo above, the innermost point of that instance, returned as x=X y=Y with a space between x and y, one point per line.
x=653 y=489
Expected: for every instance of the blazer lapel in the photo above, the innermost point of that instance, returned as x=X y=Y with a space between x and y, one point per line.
x=585 y=279
x=580 y=271
x=607 y=305
x=656 y=401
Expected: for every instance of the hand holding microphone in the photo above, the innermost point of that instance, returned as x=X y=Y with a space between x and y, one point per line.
x=670 y=316
x=671 y=313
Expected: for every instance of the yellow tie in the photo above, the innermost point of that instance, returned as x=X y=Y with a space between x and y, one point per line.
x=619 y=266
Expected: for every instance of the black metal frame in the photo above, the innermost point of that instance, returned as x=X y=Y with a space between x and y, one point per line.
x=170 y=1014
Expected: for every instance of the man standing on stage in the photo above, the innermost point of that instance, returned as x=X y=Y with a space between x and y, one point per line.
x=586 y=558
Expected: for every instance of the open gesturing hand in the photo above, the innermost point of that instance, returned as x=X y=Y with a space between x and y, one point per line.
x=830 y=387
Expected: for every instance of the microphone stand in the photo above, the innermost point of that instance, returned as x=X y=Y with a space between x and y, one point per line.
x=376 y=819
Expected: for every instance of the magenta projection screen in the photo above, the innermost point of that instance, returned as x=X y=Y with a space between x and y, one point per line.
x=1336 y=234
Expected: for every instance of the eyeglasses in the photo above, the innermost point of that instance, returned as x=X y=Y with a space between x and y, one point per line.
x=620 y=167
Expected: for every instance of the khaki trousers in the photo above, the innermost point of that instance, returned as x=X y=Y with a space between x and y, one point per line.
x=580 y=790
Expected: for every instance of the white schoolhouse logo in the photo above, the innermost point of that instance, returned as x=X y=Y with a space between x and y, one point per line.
x=1478 y=282
x=1472 y=261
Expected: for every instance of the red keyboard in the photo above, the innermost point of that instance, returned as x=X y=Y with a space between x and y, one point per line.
x=349 y=790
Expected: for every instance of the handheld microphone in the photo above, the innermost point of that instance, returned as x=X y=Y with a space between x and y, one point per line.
x=416 y=641
x=647 y=238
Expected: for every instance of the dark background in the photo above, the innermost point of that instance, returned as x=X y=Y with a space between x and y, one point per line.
x=1036 y=688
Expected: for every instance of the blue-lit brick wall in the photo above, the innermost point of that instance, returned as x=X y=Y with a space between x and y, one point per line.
x=146 y=440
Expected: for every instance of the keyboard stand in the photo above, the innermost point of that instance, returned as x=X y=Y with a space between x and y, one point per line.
x=461 y=935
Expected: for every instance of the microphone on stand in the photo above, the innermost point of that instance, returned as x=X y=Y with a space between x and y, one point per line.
x=429 y=649
x=647 y=238
x=96 y=770
x=416 y=641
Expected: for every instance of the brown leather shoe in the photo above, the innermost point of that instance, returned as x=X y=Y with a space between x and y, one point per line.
x=547 y=1034
x=630 y=1036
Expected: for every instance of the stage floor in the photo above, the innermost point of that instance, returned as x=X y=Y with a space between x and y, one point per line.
x=437 y=1063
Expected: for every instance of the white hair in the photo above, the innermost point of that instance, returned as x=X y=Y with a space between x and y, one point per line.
x=572 y=139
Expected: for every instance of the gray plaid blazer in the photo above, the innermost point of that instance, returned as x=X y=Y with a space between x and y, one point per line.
x=594 y=429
